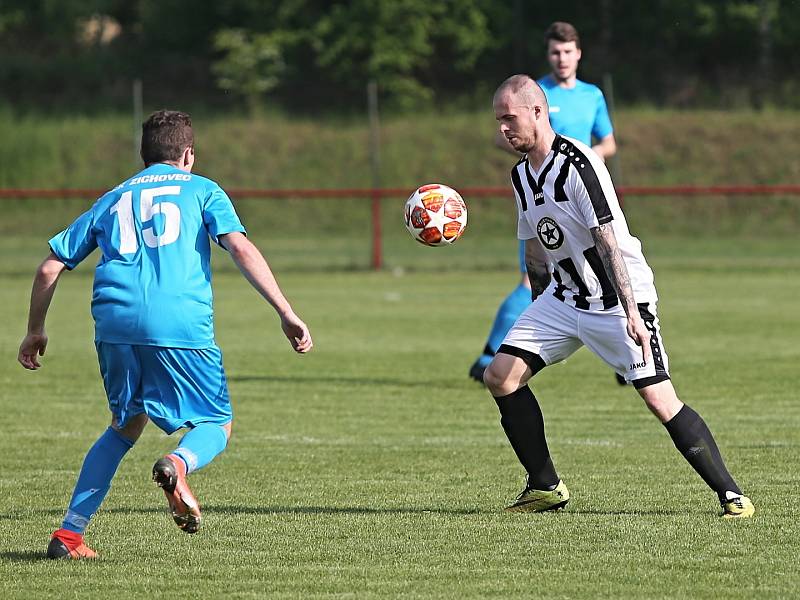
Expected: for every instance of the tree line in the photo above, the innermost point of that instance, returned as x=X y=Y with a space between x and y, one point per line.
x=318 y=55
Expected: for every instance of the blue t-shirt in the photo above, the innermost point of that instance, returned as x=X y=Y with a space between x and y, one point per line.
x=579 y=112
x=152 y=284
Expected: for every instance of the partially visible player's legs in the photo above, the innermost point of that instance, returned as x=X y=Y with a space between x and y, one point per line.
x=688 y=430
x=197 y=448
x=187 y=388
x=694 y=441
x=94 y=482
x=509 y=311
x=202 y=444
x=522 y=420
x=507 y=314
x=120 y=368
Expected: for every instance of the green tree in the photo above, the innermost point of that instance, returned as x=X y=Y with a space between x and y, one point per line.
x=316 y=54
x=340 y=46
x=397 y=43
x=251 y=64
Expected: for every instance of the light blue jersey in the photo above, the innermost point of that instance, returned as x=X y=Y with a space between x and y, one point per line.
x=579 y=112
x=152 y=284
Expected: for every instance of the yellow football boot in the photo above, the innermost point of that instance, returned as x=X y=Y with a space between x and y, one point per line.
x=531 y=500
x=738 y=508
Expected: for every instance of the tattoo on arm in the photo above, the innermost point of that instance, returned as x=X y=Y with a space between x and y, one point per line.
x=536 y=265
x=606 y=244
x=539 y=280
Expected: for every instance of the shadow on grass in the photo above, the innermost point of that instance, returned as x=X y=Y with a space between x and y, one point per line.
x=268 y=510
x=59 y=512
x=338 y=510
x=23 y=556
x=364 y=510
x=354 y=380
x=636 y=513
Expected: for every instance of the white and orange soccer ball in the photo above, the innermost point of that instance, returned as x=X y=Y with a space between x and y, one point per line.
x=436 y=215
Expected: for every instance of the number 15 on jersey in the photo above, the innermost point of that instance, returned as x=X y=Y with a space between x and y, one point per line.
x=128 y=242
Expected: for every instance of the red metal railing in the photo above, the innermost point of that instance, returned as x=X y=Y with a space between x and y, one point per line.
x=489 y=191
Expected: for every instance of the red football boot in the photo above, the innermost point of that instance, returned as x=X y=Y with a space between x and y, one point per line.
x=68 y=544
x=170 y=475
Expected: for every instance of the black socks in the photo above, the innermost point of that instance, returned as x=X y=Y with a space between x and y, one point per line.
x=694 y=440
x=523 y=423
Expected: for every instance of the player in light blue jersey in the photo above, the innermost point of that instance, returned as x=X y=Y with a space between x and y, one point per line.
x=580 y=112
x=154 y=323
x=577 y=110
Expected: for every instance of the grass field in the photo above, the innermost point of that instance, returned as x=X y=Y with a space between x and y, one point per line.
x=373 y=468
x=452 y=146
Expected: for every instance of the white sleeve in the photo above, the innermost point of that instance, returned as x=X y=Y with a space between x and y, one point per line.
x=524 y=229
x=592 y=189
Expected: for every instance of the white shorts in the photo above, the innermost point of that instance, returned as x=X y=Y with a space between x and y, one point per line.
x=555 y=330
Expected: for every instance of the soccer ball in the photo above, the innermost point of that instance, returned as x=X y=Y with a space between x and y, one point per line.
x=435 y=215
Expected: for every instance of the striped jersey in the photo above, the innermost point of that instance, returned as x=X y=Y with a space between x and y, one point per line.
x=559 y=205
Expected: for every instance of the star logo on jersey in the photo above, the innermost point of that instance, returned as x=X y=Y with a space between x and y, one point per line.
x=550 y=233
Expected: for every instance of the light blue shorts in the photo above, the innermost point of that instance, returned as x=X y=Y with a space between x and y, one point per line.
x=175 y=387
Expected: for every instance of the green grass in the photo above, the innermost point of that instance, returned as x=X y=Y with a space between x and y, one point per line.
x=373 y=468
x=313 y=235
x=276 y=151
x=451 y=146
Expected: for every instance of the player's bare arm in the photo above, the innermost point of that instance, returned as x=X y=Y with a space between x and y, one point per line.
x=44 y=286
x=608 y=249
x=606 y=147
x=254 y=267
x=536 y=264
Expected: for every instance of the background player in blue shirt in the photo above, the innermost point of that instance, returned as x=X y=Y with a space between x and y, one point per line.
x=154 y=328
x=577 y=110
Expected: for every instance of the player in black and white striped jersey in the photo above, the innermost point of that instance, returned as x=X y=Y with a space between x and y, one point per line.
x=592 y=286
x=581 y=193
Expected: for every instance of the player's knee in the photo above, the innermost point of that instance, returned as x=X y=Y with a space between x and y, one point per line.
x=133 y=428
x=497 y=380
x=662 y=400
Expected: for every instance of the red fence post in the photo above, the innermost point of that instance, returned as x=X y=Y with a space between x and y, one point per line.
x=377 y=254
x=376 y=194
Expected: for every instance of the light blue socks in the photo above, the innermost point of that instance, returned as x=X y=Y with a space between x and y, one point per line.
x=197 y=448
x=94 y=481
x=201 y=444
x=507 y=314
